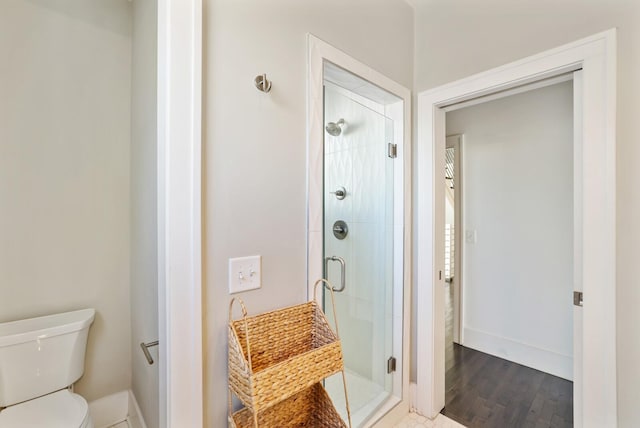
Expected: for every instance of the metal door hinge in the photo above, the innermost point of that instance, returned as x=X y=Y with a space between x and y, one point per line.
x=393 y=151
x=391 y=365
x=577 y=298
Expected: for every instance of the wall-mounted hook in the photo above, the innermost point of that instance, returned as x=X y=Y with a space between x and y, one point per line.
x=262 y=83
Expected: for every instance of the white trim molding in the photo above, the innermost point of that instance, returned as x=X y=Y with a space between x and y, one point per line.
x=596 y=56
x=179 y=212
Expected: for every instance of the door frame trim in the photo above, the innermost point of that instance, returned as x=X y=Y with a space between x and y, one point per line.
x=179 y=212
x=319 y=52
x=458 y=249
x=596 y=56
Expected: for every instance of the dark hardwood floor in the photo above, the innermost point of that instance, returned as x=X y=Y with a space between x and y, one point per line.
x=487 y=391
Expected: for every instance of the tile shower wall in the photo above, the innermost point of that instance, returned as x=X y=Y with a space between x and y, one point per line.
x=357 y=161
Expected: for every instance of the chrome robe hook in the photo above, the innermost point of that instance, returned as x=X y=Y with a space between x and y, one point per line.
x=262 y=83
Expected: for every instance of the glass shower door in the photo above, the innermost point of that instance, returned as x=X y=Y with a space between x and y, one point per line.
x=358 y=247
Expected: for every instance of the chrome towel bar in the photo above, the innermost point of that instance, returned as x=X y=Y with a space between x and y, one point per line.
x=145 y=348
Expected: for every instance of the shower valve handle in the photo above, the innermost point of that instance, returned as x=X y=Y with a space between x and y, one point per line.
x=341 y=193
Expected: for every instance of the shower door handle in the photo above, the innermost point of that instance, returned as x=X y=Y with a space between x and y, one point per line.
x=343 y=269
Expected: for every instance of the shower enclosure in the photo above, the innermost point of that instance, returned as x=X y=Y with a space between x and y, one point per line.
x=362 y=247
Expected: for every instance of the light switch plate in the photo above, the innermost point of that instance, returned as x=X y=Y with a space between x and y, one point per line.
x=245 y=273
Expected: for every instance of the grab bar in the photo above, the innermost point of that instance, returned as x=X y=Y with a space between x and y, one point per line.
x=343 y=269
x=145 y=348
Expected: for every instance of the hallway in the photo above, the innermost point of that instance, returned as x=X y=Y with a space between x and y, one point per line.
x=487 y=391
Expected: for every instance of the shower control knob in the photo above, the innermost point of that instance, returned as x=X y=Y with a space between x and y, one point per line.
x=341 y=193
x=340 y=229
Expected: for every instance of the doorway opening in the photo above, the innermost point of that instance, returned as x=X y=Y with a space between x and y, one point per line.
x=509 y=193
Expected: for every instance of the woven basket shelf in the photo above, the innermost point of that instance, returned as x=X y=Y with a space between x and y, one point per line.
x=280 y=357
x=311 y=407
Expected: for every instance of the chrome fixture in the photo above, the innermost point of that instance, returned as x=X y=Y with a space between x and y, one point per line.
x=145 y=348
x=340 y=229
x=578 y=298
x=392 y=151
x=343 y=269
x=391 y=365
x=335 y=128
x=341 y=193
x=262 y=83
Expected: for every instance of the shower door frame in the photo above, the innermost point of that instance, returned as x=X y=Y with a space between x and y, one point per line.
x=320 y=52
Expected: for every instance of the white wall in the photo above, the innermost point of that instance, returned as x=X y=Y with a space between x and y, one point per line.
x=255 y=143
x=144 y=242
x=64 y=172
x=517 y=195
x=457 y=38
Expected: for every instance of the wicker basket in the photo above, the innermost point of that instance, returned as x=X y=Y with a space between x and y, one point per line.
x=311 y=407
x=285 y=352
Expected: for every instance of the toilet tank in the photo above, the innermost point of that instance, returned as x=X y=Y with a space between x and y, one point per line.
x=42 y=355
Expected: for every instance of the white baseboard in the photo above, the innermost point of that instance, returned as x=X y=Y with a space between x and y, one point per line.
x=135 y=415
x=412 y=397
x=537 y=358
x=115 y=408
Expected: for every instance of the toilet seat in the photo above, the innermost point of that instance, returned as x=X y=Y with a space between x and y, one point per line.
x=62 y=409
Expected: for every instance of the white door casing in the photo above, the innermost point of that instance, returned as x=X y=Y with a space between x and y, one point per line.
x=595 y=210
x=179 y=212
x=455 y=142
x=577 y=249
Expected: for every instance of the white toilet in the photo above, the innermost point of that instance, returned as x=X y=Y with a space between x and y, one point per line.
x=39 y=359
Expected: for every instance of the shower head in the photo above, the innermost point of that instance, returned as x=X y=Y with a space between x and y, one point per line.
x=334 y=128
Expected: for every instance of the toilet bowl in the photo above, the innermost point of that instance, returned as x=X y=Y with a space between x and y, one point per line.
x=39 y=359
x=62 y=409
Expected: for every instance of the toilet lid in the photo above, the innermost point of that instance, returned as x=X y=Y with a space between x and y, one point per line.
x=62 y=409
